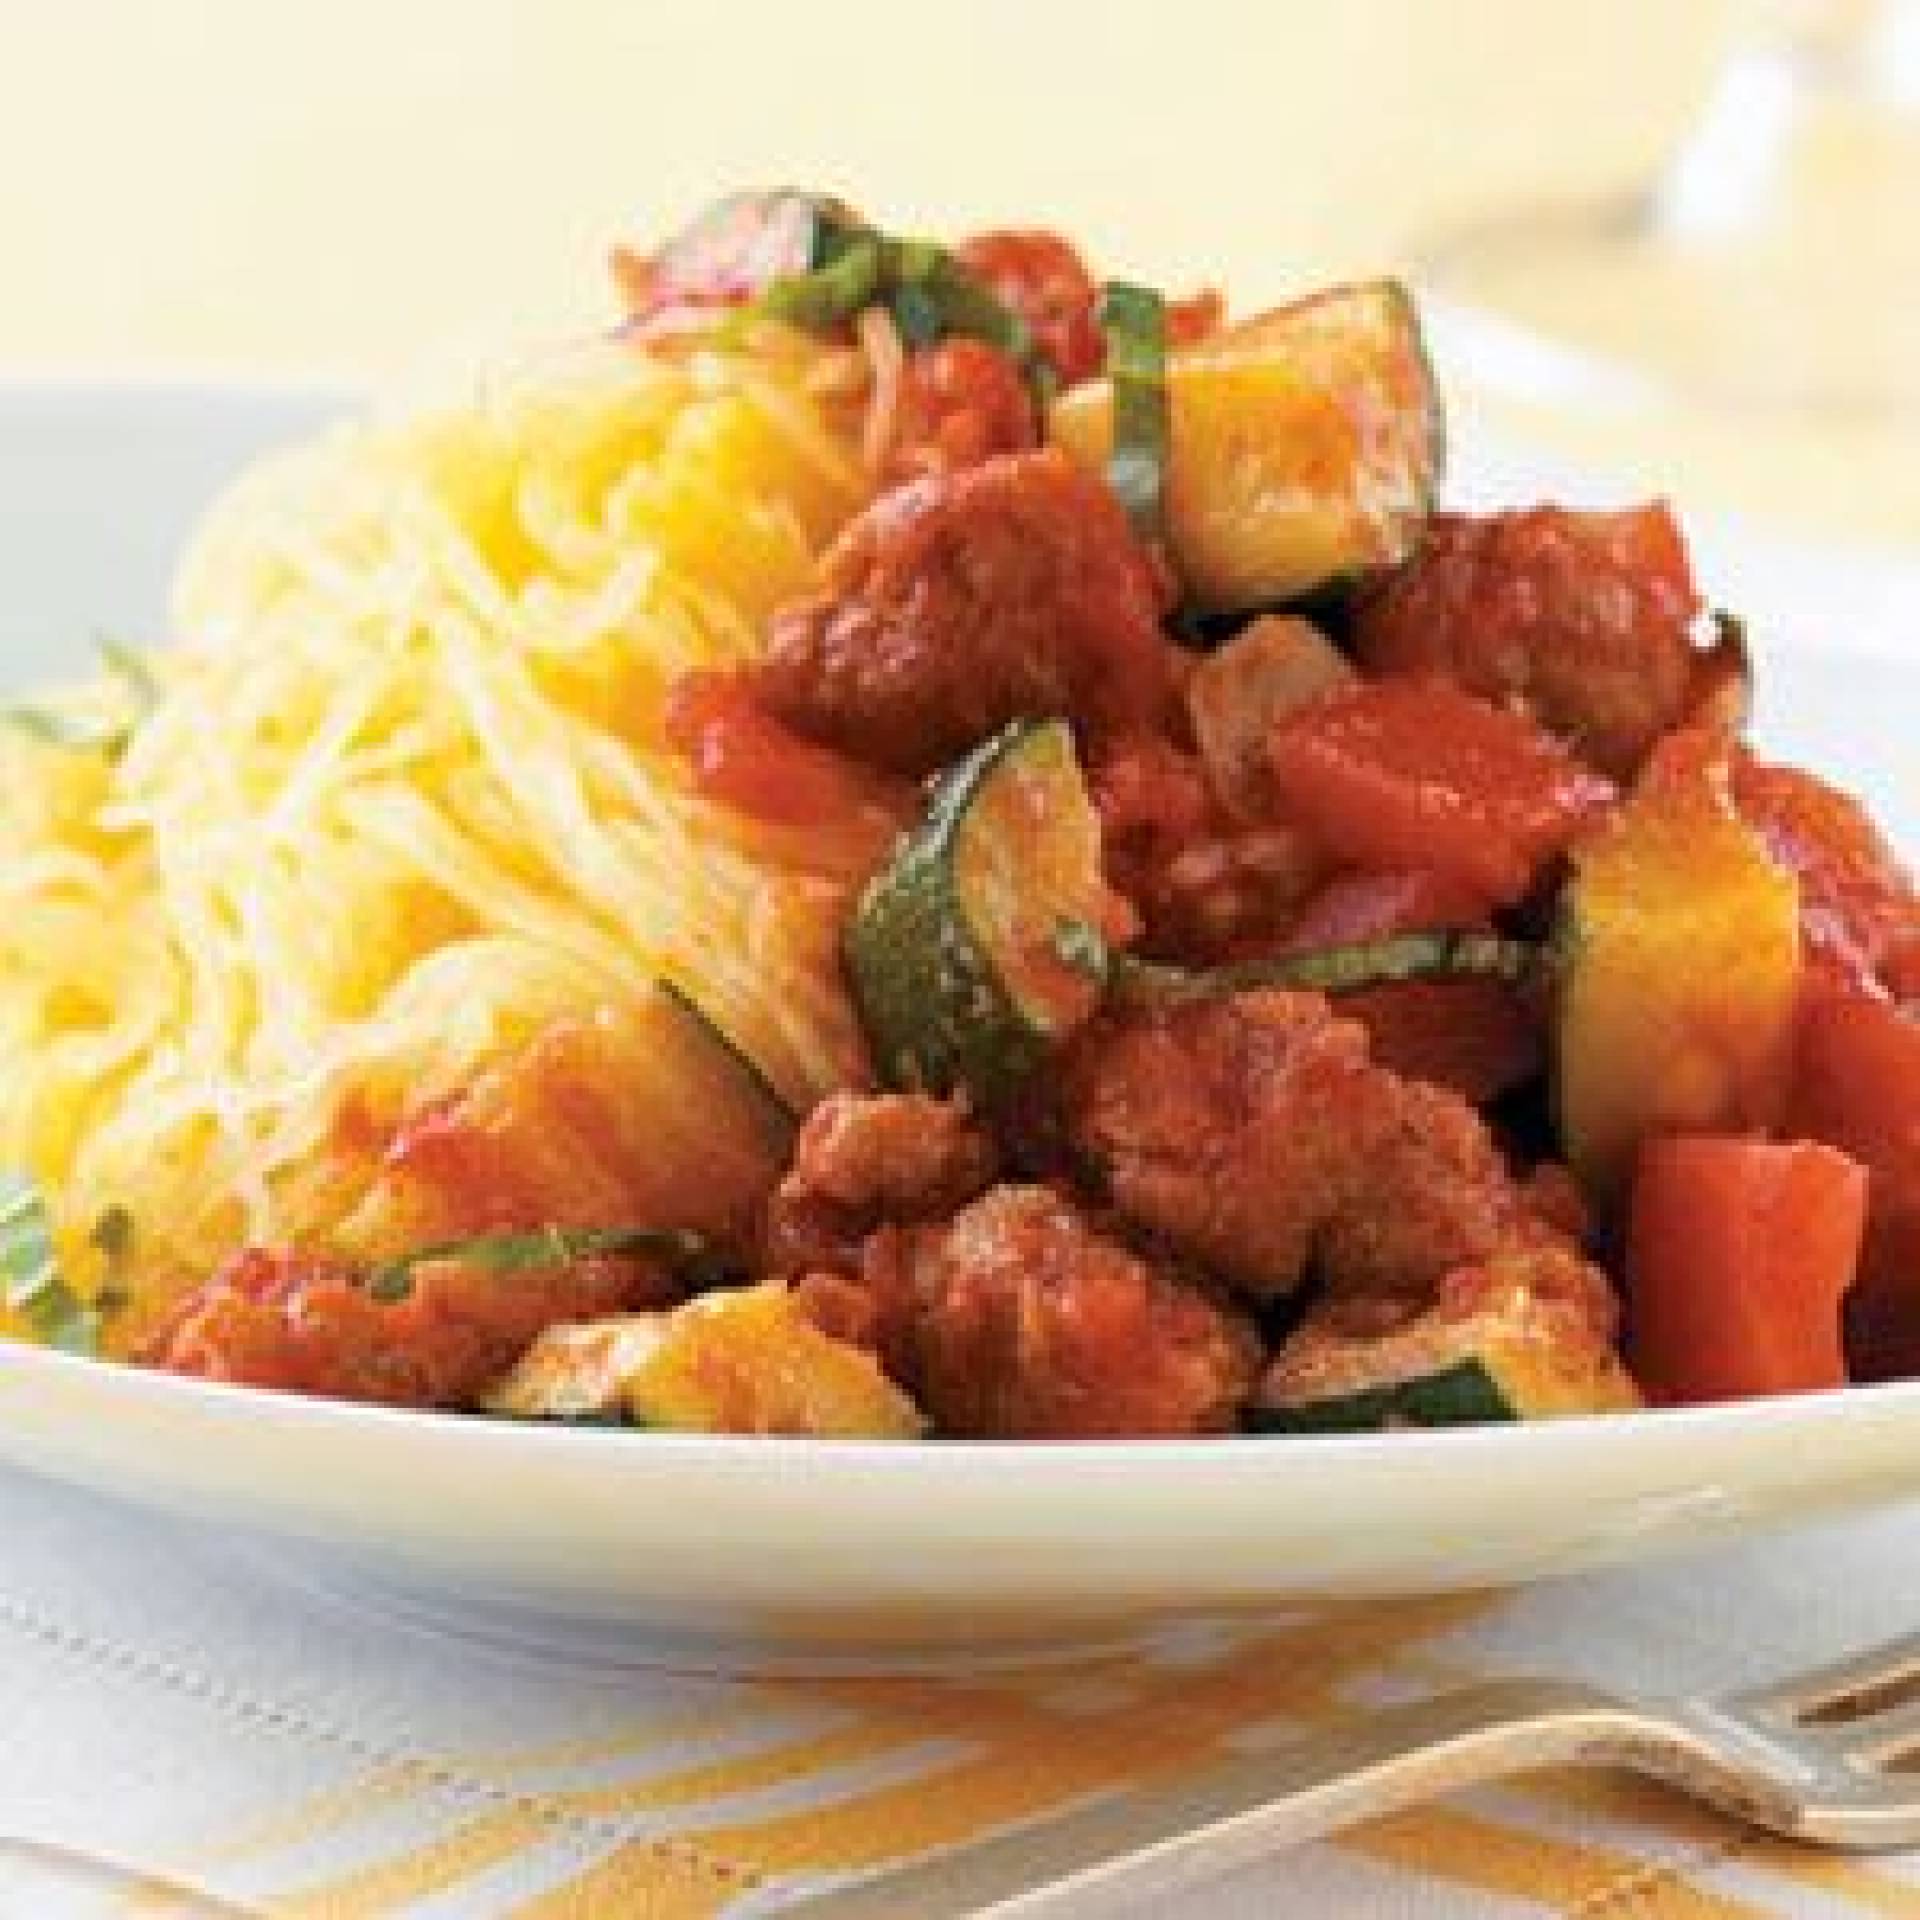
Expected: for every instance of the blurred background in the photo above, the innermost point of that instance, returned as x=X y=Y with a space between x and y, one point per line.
x=362 y=189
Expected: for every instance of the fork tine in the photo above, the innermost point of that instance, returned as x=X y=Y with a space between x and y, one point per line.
x=1865 y=1685
x=1872 y=1741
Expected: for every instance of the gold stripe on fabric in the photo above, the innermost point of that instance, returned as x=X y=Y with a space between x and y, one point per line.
x=662 y=1881
x=1565 y=1876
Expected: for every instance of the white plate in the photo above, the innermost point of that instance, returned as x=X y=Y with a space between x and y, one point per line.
x=789 y=1553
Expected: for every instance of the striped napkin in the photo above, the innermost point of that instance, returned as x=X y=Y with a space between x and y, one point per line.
x=204 y=1708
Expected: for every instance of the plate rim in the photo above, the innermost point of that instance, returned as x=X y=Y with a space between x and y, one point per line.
x=258 y=1406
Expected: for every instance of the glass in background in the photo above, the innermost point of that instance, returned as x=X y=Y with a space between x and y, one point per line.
x=1757 y=305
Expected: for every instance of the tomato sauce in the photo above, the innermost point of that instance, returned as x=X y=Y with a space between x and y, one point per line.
x=740 y=754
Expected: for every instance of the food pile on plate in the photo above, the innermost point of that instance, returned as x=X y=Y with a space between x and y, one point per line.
x=921 y=843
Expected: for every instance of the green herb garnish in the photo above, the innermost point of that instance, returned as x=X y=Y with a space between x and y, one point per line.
x=928 y=290
x=1345 y=969
x=848 y=278
x=93 y=732
x=30 y=1277
x=392 y=1281
x=1078 y=945
x=1134 y=321
x=112 y=1237
x=135 y=672
x=78 y=732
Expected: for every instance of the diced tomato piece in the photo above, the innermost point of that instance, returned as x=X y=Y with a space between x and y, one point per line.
x=1478 y=1037
x=1858 y=909
x=742 y=755
x=1581 y=619
x=1739 y=1255
x=1042 y=278
x=1857 y=1086
x=1354 y=907
x=1402 y=773
x=961 y=402
x=1197 y=318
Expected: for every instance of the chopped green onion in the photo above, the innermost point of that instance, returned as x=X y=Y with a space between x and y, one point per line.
x=1134 y=321
x=30 y=1277
x=544 y=1247
x=916 y=312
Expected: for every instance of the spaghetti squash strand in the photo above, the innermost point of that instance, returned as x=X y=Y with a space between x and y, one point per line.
x=403 y=799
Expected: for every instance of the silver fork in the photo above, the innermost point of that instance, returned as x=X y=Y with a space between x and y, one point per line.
x=52 y=1865
x=1830 y=1757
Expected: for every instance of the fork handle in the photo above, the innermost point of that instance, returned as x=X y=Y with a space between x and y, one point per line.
x=1164 y=1839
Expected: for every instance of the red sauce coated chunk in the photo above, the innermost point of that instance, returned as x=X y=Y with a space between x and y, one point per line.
x=867 y=1160
x=1021 y=1318
x=1399 y=773
x=1042 y=278
x=965 y=600
x=1582 y=619
x=1232 y=1127
x=741 y=755
x=961 y=402
x=275 y=1318
x=1858 y=908
x=1253 y=1135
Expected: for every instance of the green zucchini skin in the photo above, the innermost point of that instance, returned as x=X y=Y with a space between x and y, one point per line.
x=1463 y=1394
x=1514 y=1357
x=1262 y=506
x=781 y=1122
x=1439 y=955
x=939 y=1008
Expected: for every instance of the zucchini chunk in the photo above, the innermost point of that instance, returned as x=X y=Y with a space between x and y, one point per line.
x=1305 y=446
x=722 y=1135
x=975 y=950
x=749 y=1361
x=1678 y=962
x=1514 y=1357
x=642 y=1113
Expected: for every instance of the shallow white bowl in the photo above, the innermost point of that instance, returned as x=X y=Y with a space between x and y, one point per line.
x=793 y=1554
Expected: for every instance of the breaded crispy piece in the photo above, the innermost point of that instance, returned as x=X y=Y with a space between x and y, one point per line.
x=1582 y=619
x=967 y=599
x=865 y=1160
x=1022 y=1318
x=1253 y=1135
x=1234 y=1126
